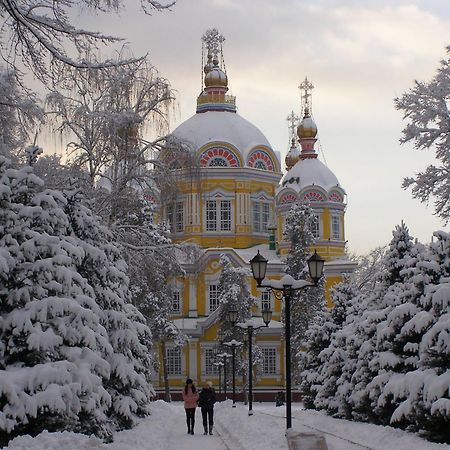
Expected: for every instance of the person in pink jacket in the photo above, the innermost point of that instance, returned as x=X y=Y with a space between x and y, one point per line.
x=190 y=398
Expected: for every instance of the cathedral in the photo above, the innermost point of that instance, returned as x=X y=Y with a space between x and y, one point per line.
x=235 y=203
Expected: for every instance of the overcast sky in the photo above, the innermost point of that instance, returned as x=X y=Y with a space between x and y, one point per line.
x=359 y=55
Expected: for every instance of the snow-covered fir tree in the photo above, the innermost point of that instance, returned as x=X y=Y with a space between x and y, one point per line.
x=421 y=395
x=131 y=359
x=235 y=295
x=380 y=302
x=388 y=360
x=55 y=355
x=307 y=303
x=320 y=373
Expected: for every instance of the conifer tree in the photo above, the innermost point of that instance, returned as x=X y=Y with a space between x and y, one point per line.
x=421 y=395
x=307 y=303
x=235 y=295
x=54 y=350
x=131 y=361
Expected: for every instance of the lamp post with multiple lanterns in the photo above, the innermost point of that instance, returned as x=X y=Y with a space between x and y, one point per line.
x=223 y=357
x=286 y=285
x=233 y=344
x=250 y=327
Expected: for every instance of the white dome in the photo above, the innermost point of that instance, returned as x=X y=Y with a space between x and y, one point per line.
x=222 y=126
x=309 y=172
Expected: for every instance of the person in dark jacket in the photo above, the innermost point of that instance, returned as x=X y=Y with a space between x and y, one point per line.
x=206 y=401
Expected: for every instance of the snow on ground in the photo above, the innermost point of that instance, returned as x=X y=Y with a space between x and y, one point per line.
x=266 y=430
x=166 y=429
x=151 y=434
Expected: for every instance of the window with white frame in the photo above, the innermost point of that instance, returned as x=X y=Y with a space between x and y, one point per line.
x=335 y=227
x=218 y=215
x=179 y=217
x=261 y=214
x=175 y=217
x=213 y=297
x=210 y=357
x=266 y=301
x=315 y=226
x=173 y=361
x=176 y=302
x=269 y=366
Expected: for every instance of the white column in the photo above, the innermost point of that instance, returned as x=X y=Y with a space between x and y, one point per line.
x=193 y=359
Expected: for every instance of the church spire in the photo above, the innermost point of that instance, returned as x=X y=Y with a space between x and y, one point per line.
x=215 y=82
x=293 y=155
x=307 y=128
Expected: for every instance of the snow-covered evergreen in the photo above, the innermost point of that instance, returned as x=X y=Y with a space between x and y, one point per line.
x=387 y=359
x=307 y=303
x=53 y=347
x=235 y=295
x=74 y=352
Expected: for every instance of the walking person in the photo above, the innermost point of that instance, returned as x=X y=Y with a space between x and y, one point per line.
x=206 y=401
x=190 y=398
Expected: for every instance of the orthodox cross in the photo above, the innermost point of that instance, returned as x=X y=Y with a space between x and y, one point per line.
x=213 y=42
x=293 y=122
x=305 y=88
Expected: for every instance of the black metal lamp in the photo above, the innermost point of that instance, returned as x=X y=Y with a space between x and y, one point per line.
x=259 y=265
x=315 y=267
x=266 y=316
x=232 y=316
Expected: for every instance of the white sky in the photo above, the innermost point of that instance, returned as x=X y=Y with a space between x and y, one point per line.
x=358 y=54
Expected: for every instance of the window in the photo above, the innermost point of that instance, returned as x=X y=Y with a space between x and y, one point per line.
x=315 y=227
x=213 y=295
x=225 y=215
x=173 y=361
x=210 y=356
x=175 y=217
x=261 y=214
x=218 y=162
x=269 y=355
x=218 y=215
x=335 y=227
x=176 y=302
x=266 y=302
x=179 y=217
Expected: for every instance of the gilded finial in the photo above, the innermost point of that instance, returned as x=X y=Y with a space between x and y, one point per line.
x=305 y=89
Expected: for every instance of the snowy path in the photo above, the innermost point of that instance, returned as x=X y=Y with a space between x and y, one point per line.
x=338 y=442
x=179 y=439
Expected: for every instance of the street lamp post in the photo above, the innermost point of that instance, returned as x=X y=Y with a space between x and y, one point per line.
x=224 y=357
x=233 y=344
x=250 y=327
x=286 y=285
x=219 y=366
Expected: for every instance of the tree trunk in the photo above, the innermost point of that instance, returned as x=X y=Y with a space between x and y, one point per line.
x=167 y=397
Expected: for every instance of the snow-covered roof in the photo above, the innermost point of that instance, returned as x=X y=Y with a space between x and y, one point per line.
x=248 y=253
x=223 y=126
x=309 y=172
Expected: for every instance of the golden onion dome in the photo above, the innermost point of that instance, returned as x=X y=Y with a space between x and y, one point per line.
x=307 y=128
x=216 y=76
x=293 y=155
x=209 y=65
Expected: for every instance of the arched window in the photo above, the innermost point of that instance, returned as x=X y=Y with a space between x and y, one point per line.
x=259 y=159
x=218 y=157
x=218 y=162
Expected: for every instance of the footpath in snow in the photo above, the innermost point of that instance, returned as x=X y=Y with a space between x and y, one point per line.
x=166 y=429
x=265 y=430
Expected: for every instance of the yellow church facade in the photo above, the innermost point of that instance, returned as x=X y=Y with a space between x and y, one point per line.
x=235 y=204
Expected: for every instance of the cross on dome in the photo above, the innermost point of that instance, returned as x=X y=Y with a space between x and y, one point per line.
x=305 y=88
x=213 y=42
x=292 y=124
